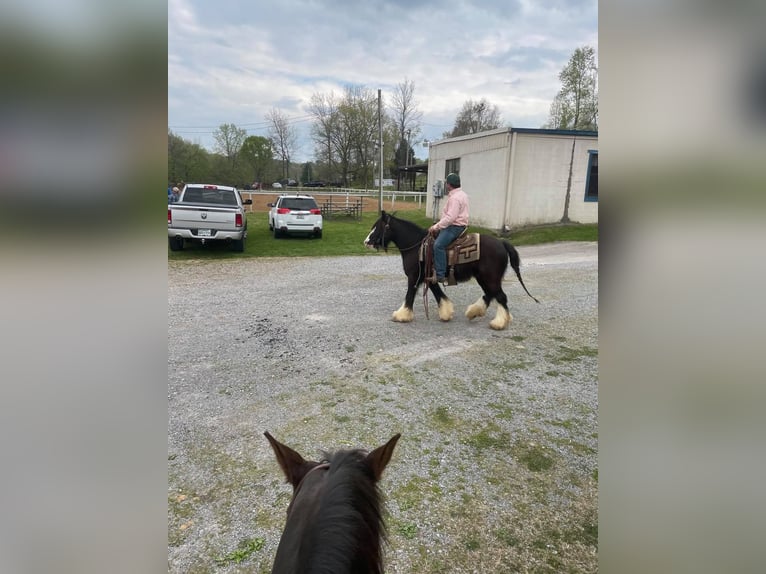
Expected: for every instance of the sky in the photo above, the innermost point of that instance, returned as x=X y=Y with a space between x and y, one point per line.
x=233 y=61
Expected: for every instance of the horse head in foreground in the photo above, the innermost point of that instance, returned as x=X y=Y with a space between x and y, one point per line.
x=488 y=270
x=334 y=520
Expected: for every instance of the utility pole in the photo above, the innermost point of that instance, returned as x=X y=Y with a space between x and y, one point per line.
x=407 y=156
x=380 y=151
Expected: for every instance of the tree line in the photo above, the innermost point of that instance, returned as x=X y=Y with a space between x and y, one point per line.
x=344 y=133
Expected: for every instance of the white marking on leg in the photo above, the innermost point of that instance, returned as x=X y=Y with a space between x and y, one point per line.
x=403 y=314
x=478 y=309
x=446 y=309
x=501 y=320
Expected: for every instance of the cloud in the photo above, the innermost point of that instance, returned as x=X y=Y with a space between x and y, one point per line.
x=244 y=60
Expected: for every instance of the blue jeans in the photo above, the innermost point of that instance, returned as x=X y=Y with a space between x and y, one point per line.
x=446 y=236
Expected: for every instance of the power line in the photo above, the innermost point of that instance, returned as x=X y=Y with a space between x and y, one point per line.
x=264 y=123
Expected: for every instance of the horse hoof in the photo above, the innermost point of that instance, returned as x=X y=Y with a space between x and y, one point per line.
x=403 y=315
x=446 y=310
x=501 y=320
x=478 y=309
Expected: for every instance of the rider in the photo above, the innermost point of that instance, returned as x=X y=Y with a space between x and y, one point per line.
x=453 y=222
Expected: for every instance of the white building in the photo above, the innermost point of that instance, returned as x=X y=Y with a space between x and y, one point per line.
x=516 y=177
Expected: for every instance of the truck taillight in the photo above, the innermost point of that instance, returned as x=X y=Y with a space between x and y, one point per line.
x=170 y=216
x=238 y=220
x=282 y=210
x=316 y=212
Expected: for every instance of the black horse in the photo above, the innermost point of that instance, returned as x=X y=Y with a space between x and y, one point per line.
x=334 y=520
x=488 y=270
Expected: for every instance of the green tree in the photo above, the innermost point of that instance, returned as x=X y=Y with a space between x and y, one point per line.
x=228 y=142
x=475 y=117
x=575 y=106
x=186 y=161
x=257 y=153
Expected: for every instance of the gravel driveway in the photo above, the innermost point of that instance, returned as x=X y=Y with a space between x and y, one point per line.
x=496 y=470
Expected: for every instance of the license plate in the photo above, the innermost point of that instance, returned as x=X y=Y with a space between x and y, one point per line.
x=204 y=233
x=299 y=217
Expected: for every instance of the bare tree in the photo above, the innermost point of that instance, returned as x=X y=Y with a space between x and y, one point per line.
x=324 y=108
x=406 y=117
x=475 y=117
x=362 y=106
x=283 y=138
x=345 y=131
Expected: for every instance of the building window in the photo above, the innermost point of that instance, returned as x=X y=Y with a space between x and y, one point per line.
x=452 y=166
x=591 y=181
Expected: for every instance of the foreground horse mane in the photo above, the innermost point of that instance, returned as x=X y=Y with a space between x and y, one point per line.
x=349 y=521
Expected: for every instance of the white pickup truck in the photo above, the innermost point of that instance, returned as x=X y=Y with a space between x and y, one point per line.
x=204 y=213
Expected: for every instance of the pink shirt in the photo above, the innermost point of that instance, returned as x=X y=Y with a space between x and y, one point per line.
x=455 y=212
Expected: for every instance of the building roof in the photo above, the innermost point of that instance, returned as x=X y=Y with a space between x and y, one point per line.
x=512 y=130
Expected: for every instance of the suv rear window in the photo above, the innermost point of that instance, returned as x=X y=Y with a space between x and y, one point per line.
x=298 y=203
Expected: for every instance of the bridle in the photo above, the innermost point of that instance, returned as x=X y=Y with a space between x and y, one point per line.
x=386 y=227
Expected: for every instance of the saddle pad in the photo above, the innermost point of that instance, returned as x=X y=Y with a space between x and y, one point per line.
x=464 y=249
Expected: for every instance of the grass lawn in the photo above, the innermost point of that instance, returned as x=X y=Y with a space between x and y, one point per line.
x=344 y=236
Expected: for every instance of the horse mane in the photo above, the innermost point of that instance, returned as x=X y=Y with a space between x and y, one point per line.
x=407 y=228
x=411 y=225
x=349 y=524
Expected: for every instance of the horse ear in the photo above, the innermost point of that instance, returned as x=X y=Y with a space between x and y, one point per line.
x=291 y=463
x=378 y=459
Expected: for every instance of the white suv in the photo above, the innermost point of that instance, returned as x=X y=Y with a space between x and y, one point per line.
x=295 y=214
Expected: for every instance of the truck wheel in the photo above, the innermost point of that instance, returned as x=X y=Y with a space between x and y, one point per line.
x=277 y=233
x=176 y=243
x=318 y=234
x=238 y=245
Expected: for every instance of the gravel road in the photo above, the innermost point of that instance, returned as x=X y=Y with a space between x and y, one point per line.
x=496 y=470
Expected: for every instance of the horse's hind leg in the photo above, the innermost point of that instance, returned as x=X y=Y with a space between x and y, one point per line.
x=503 y=317
x=478 y=309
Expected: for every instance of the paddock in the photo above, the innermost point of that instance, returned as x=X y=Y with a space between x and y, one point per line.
x=497 y=466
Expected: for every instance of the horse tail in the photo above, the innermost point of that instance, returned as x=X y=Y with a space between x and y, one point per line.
x=513 y=255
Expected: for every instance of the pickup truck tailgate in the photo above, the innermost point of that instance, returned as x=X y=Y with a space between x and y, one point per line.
x=196 y=217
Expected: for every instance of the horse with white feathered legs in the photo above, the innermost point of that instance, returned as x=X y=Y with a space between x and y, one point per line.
x=488 y=270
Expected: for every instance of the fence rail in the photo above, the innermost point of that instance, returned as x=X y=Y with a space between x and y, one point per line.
x=389 y=196
x=348 y=208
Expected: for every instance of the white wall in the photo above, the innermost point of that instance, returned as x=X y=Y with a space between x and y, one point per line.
x=517 y=178
x=539 y=180
x=483 y=169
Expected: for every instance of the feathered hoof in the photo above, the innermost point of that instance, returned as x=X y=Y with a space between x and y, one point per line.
x=501 y=320
x=446 y=310
x=403 y=315
x=478 y=309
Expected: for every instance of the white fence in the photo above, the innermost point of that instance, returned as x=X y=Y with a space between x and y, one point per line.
x=389 y=196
